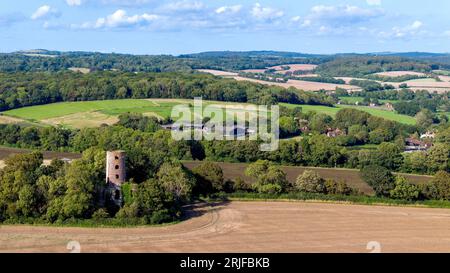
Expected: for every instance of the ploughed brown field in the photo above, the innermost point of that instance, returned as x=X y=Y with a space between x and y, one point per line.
x=256 y=227
x=234 y=170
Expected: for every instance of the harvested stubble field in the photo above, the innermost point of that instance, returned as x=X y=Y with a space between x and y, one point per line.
x=295 y=67
x=235 y=170
x=400 y=73
x=256 y=227
x=219 y=72
x=6 y=152
x=430 y=85
x=304 y=85
x=279 y=68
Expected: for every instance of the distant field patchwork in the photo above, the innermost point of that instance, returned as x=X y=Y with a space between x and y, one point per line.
x=303 y=85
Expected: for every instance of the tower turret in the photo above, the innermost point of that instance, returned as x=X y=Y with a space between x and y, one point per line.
x=115 y=175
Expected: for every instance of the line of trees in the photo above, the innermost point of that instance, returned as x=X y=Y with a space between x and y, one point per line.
x=148 y=145
x=59 y=61
x=26 y=89
x=359 y=66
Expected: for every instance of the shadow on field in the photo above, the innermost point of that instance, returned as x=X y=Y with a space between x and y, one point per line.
x=201 y=208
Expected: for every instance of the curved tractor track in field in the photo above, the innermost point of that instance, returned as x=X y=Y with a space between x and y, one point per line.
x=255 y=227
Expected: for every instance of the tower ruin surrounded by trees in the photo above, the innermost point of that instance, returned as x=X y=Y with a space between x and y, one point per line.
x=115 y=175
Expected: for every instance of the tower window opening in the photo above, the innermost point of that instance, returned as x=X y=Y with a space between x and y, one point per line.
x=117 y=167
x=117 y=176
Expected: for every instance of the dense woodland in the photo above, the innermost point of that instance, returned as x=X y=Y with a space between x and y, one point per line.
x=361 y=66
x=329 y=65
x=26 y=89
x=158 y=184
x=57 y=61
x=137 y=134
x=407 y=102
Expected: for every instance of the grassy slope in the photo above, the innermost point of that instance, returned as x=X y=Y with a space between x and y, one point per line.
x=373 y=111
x=162 y=108
x=54 y=110
x=361 y=99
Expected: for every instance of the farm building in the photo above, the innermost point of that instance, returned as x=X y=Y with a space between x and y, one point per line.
x=428 y=135
x=335 y=132
x=413 y=145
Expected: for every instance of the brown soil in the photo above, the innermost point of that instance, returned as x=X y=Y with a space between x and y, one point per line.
x=256 y=227
x=5 y=152
x=218 y=72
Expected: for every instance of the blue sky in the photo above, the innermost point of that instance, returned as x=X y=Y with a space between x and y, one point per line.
x=186 y=26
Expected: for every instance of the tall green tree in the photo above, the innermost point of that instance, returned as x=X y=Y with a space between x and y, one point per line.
x=379 y=178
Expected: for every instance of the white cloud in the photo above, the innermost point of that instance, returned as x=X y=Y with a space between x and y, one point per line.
x=229 y=9
x=416 y=25
x=295 y=19
x=44 y=12
x=298 y=21
x=447 y=33
x=343 y=14
x=373 y=2
x=183 y=6
x=120 y=19
x=306 y=23
x=74 y=2
x=265 y=13
x=414 y=29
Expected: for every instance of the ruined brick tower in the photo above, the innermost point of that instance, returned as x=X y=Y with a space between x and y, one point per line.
x=115 y=175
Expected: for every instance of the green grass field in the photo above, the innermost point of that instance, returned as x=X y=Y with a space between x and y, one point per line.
x=389 y=115
x=364 y=147
x=110 y=107
x=442 y=72
x=384 y=114
x=95 y=113
x=360 y=99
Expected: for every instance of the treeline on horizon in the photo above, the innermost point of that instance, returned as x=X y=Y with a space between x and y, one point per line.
x=18 y=62
x=27 y=89
x=361 y=66
x=352 y=65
